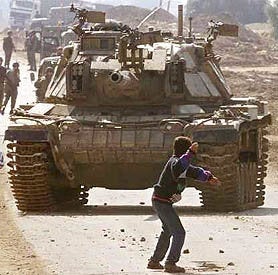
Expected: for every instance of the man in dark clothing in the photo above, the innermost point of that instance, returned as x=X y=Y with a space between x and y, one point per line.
x=27 y=45
x=8 y=47
x=2 y=79
x=11 y=84
x=33 y=44
x=168 y=191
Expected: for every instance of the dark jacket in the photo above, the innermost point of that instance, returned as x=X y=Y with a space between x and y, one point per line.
x=12 y=81
x=168 y=183
x=8 y=44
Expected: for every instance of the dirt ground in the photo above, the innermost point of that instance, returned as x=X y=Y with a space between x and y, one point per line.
x=117 y=231
x=16 y=254
x=119 y=237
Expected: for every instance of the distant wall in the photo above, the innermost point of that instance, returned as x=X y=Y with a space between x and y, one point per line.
x=245 y=11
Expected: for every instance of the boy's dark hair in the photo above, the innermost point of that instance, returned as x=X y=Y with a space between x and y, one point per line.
x=181 y=145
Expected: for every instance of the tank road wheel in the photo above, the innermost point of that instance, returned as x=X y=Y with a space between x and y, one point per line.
x=242 y=178
x=28 y=177
x=36 y=183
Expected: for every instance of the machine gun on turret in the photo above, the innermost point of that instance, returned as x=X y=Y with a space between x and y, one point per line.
x=219 y=28
x=85 y=16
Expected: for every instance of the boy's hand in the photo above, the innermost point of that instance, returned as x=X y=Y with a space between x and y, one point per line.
x=214 y=181
x=194 y=147
x=175 y=198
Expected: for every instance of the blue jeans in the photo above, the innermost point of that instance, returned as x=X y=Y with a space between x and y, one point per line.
x=171 y=227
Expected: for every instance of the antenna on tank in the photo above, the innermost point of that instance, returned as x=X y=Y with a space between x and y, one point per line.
x=190 y=26
x=148 y=16
x=168 y=5
x=180 y=22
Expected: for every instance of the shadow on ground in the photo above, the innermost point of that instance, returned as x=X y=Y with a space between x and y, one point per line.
x=125 y=210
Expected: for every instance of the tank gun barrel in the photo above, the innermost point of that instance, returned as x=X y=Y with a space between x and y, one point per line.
x=122 y=78
x=116 y=77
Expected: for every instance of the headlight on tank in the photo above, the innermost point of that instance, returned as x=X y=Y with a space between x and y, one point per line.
x=74 y=84
x=75 y=77
x=80 y=69
x=74 y=70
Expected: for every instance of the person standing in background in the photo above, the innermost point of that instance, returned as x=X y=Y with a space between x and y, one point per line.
x=27 y=45
x=11 y=84
x=8 y=47
x=32 y=50
x=2 y=79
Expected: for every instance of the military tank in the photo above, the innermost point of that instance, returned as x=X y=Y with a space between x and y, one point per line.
x=117 y=100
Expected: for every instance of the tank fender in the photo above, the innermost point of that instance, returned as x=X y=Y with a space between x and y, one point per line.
x=218 y=136
x=27 y=135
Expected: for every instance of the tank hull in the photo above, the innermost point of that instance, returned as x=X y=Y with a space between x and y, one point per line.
x=132 y=155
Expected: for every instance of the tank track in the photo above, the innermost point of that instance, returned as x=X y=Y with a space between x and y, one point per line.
x=262 y=169
x=30 y=177
x=242 y=182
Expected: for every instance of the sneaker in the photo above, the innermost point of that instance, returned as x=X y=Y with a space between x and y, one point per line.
x=154 y=265
x=173 y=268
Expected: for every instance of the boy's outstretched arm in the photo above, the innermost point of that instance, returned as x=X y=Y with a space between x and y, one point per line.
x=203 y=175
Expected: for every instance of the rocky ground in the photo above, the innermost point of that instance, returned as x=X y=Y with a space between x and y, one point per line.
x=16 y=253
x=117 y=231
